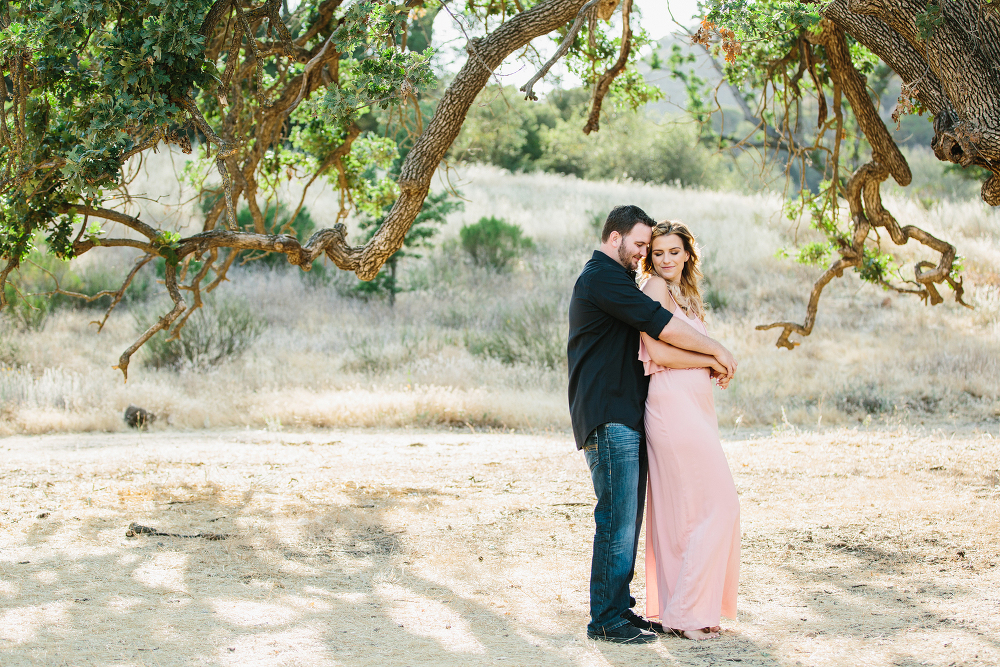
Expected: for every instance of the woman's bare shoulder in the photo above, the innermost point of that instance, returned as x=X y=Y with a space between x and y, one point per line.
x=655 y=287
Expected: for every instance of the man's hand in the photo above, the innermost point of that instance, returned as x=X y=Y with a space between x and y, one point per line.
x=682 y=335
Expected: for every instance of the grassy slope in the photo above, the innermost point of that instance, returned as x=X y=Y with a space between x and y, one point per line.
x=326 y=359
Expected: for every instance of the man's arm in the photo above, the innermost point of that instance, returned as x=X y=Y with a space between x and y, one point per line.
x=669 y=356
x=618 y=297
x=681 y=334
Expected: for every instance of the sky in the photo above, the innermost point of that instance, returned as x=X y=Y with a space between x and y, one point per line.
x=656 y=18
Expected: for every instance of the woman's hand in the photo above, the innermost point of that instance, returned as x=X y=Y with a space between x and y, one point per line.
x=719 y=373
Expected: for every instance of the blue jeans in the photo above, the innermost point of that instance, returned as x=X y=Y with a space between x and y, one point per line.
x=616 y=455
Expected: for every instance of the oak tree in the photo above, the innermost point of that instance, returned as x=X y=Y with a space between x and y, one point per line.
x=260 y=92
x=800 y=71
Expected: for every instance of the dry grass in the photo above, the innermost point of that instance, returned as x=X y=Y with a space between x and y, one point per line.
x=327 y=359
x=417 y=547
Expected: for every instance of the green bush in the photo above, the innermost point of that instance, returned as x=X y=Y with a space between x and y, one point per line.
x=214 y=334
x=493 y=242
x=535 y=335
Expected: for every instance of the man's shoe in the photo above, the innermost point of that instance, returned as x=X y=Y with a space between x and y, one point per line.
x=643 y=624
x=626 y=634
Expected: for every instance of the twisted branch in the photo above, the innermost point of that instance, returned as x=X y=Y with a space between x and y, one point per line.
x=865 y=199
x=170 y=279
x=604 y=83
x=835 y=271
x=864 y=196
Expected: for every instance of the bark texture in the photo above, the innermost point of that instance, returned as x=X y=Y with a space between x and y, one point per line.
x=955 y=71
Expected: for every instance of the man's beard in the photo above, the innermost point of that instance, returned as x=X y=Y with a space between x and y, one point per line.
x=624 y=259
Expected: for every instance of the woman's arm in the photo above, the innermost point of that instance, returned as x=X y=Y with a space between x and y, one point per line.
x=668 y=356
x=680 y=336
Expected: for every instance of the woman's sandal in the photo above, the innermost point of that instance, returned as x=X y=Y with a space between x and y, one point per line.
x=710 y=633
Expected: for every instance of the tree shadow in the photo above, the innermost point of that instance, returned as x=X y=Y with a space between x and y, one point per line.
x=334 y=590
x=849 y=601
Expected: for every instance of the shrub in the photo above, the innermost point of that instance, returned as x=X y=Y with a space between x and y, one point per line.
x=494 y=243
x=30 y=312
x=212 y=335
x=535 y=335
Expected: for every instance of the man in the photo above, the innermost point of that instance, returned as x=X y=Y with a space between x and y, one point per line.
x=607 y=395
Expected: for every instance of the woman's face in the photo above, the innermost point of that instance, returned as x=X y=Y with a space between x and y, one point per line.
x=669 y=256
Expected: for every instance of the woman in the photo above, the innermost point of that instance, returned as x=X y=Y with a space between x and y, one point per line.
x=693 y=524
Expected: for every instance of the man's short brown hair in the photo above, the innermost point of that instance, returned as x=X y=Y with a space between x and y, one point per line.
x=623 y=218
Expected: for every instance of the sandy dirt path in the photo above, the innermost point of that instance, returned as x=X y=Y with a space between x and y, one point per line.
x=456 y=548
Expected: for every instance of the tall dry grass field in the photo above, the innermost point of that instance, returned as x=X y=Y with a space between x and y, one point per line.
x=468 y=346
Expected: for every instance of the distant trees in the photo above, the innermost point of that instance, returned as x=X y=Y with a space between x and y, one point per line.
x=504 y=130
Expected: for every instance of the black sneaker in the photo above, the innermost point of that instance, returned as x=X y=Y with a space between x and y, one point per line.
x=626 y=634
x=643 y=624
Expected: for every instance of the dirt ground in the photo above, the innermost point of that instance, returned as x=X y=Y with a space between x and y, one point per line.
x=860 y=547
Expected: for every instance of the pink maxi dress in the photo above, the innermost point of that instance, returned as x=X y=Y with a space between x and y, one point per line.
x=693 y=511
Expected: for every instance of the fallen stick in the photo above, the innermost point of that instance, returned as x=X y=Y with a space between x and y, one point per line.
x=136 y=529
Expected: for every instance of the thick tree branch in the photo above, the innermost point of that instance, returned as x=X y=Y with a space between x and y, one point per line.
x=332 y=242
x=855 y=88
x=894 y=51
x=485 y=55
x=961 y=51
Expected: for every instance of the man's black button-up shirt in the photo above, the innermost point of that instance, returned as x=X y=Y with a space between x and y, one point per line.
x=607 y=382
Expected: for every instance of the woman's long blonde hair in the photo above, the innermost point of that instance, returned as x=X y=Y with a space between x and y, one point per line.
x=690 y=293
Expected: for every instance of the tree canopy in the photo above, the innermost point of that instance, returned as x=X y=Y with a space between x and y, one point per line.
x=260 y=93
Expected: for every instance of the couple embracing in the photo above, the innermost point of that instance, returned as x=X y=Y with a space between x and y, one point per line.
x=640 y=390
